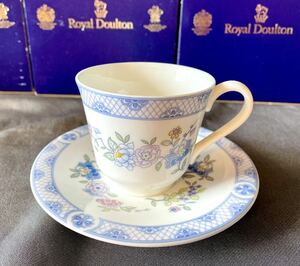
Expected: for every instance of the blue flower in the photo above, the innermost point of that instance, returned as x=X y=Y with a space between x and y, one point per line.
x=50 y=161
x=250 y=172
x=238 y=161
x=237 y=208
x=38 y=174
x=184 y=148
x=174 y=209
x=88 y=171
x=133 y=104
x=171 y=160
x=50 y=147
x=124 y=155
x=101 y=108
x=172 y=112
x=82 y=220
x=51 y=188
x=149 y=229
x=178 y=153
x=193 y=190
x=54 y=206
x=209 y=217
x=186 y=233
x=245 y=189
x=69 y=136
x=116 y=234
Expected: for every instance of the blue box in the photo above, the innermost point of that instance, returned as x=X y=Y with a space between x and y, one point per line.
x=254 y=42
x=67 y=36
x=14 y=67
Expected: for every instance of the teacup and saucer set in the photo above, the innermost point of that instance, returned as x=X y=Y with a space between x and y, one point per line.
x=143 y=172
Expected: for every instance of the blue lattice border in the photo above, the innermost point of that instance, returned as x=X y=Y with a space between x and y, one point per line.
x=163 y=108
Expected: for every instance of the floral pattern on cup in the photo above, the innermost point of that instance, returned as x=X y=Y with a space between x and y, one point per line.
x=125 y=153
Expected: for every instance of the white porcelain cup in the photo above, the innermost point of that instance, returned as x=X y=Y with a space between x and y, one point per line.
x=144 y=119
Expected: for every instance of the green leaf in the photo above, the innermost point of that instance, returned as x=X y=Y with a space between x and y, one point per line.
x=166 y=142
x=188 y=182
x=158 y=166
x=127 y=138
x=176 y=142
x=112 y=194
x=153 y=203
x=83 y=181
x=86 y=157
x=127 y=208
x=175 y=171
x=109 y=156
x=206 y=158
x=187 y=208
x=73 y=170
x=188 y=175
x=168 y=203
x=75 y=175
x=194 y=197
x=153 y=141
x=145 y=141
x=200 y=189
x=182 y=190
x=209 y=178
x=183 y=164
x=119 y=137
x=112 y=144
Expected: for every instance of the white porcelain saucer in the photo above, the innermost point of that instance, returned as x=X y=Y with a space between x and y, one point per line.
x=215 y=193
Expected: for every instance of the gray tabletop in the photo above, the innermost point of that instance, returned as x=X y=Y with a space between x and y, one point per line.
x=268 y=235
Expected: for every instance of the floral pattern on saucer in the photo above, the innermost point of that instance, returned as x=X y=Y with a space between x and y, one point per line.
x=89 y=176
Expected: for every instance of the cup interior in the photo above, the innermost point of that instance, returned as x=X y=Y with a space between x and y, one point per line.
x=145 y=79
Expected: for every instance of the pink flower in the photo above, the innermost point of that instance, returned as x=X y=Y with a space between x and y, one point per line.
x=111 y=203
x=146 y=155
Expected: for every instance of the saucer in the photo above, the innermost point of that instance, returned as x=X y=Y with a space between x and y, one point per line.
x=216 y=191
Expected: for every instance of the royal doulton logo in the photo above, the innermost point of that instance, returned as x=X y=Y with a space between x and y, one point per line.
x=4 y=22
x=202 y=22
x=155 y=13
x=261 y=14
x=46 y=17
x=101 y=13
x=258 y=27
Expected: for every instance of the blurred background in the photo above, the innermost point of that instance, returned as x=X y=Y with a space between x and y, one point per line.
x=45 y=43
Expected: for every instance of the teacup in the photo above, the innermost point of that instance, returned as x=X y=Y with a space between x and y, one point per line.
x=144 y=118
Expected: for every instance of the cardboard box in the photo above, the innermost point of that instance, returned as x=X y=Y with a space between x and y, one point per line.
x=67 y=36
x=254 y=42
x=14 y=68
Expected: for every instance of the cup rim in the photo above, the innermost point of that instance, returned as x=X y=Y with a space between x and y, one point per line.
x=121 y=95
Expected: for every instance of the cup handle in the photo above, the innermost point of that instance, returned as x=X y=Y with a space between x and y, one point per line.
x=234 y=123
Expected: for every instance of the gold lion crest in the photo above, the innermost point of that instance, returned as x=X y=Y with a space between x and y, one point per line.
x=202 y=22
x=4 y=22
x=155 y=13
x=100 y=9
x=46 y=17
x=261 y=14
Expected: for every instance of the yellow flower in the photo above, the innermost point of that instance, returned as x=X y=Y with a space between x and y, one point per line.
x=84 y=171
x=175 y=132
